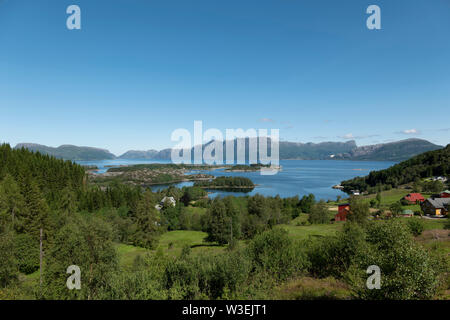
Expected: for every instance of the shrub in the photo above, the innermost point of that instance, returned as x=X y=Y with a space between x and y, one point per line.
x=447 y=224
x=332 y=255
x=319 y=214
x=416 y=226
x=275 y=253
x=408 y=271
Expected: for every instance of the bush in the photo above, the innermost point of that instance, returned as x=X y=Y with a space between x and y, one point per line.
x=416 y=226
x=275 y=253
x=408 y=271
x=332 y=255
x=319 y=214
x=447 y=224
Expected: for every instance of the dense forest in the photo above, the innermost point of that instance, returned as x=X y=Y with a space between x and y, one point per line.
x=425 y=165
x=84 y=225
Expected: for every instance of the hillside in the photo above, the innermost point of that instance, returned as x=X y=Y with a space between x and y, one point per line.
x=393 y=151
x=431 y=163
x=136 y=154
x=312 y=151
x=69 y=152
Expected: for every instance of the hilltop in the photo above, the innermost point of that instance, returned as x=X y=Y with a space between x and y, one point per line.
x=69 y=152
x=393 y=151
x=428 y=164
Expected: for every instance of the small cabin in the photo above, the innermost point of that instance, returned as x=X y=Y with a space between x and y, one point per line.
x=436 y=206
x=343 y=210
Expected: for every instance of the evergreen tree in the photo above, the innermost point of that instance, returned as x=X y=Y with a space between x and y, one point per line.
x=218 y=223
x=11 y=201
x=147 y=222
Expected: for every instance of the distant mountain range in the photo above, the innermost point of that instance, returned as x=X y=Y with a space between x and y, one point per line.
x=393 y=151
x=69 y=152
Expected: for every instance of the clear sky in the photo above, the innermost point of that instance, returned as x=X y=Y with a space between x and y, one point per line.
x=137 y=70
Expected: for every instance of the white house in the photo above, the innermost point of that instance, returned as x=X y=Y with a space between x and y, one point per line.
x=170 y=200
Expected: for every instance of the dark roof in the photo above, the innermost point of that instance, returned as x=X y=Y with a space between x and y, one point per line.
x=439 y=203
x=343 y=204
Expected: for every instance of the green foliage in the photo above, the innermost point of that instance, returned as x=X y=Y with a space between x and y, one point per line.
x=433 y=186
x=27 y=253
x=447 y=224
x=432 y=163
x=87 y=243
x=219 y=223
x=192 y=194
x=306 y=203
x=8 y=261
x=273 y=252
x=396 y=209
x=319 y=213
x=408 y=271
x=332 y=255
x=359 y=211
x=226 y=182
x=416 y=226
x=147 y=221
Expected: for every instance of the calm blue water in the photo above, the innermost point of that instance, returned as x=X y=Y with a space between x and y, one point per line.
x=298 y=177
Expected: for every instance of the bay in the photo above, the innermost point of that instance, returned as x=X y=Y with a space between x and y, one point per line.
x=297 y=177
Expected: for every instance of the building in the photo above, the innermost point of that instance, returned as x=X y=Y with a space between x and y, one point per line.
x=445 y=194
x=414 y=197
x=436 y=206
x=355 y=192
x=166 y=200
x=407 y=213
x=343 y=210
x=440 y=178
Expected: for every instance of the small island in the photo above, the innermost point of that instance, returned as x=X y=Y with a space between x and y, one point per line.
x=226 y=183
x=252 y=167
x=150 y=174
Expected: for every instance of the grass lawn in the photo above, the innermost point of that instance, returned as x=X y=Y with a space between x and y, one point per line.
x=170 y=243
x=315 y=230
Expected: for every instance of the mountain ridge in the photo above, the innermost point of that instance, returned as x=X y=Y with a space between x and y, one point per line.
x=348 y=150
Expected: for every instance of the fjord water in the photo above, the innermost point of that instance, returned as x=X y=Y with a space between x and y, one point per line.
x=297 y=177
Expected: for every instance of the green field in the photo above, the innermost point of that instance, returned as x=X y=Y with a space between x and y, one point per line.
x=170 y=243
x=315 y=230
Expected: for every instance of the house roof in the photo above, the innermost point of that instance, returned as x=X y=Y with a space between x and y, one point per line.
x=414 y=196
x=439 y=203
x=446 y=191
x=343 y=204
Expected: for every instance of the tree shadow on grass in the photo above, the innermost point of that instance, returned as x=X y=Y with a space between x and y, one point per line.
x=205 y=245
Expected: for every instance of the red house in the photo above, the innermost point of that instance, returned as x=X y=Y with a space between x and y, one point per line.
x=414 y=197
x=343 y=210
x=445 y=194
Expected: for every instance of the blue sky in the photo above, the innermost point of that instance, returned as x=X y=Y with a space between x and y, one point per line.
x=137 y=70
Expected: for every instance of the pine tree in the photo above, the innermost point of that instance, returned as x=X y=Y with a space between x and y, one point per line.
x=147 y=222
x=11 y=201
